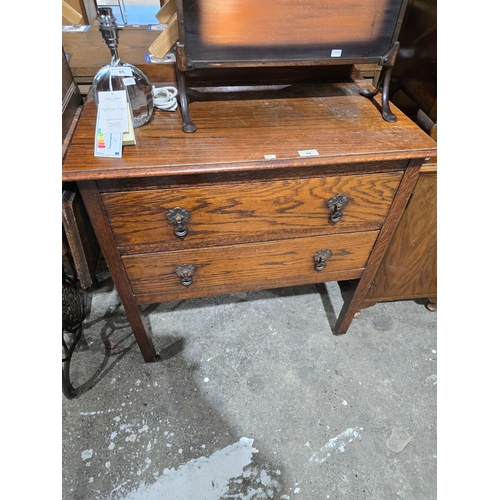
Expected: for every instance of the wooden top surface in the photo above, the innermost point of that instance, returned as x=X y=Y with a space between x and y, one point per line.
x=237 y=134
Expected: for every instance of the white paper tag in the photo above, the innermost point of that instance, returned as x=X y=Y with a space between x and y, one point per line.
x=107 y=144
x=308 y=152
x=336 y=53
x=129 y=80
x=113 y=109
x=156 y=27
x=270 y=157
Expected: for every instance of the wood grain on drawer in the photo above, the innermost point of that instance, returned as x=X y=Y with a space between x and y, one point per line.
x=250 y=266
x=244 y=212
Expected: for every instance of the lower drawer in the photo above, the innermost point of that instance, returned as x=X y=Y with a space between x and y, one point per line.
x=156 y=277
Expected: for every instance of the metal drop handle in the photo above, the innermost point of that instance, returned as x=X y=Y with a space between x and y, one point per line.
x=320 y=257
x=337 y=205
x=185 y=273
x=179 y=216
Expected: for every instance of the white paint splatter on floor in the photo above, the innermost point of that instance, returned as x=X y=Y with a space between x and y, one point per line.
x=204 y=478
x=337 y=443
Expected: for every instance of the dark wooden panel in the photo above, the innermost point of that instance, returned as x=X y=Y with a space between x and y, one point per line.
x=233 y=213
x=253 y=266
x=71 y=102
x=80 y=236
x=415 y=70
x=260 y=30
x=409 y=267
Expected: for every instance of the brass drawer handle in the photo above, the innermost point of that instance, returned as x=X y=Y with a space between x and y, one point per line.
x=336 y=205
x=320 y=258
x=179 y=216
x=185 y=273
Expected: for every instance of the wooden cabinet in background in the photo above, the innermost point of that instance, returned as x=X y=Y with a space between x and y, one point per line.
x=78 y=11
x=409 y=267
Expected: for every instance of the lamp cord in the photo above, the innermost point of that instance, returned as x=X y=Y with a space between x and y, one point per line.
x=164 y=98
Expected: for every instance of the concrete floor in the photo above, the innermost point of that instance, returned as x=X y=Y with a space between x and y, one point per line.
x=254 y=398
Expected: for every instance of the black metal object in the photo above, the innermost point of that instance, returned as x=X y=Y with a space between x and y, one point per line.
x=337 y=205
x=73 y=312
x=274 y=42
x=320 y=257
x=387 y=63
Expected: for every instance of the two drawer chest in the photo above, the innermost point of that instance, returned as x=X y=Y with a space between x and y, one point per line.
x=281 y=187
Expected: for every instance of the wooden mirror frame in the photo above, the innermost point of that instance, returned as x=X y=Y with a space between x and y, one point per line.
x=205 y=54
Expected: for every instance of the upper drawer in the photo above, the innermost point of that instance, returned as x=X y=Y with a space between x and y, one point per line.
x=255 y=211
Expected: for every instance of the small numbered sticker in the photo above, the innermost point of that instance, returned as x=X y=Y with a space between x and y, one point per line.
x=121 y=71
x=270 y=157
x=308 y=152
x=336 y=53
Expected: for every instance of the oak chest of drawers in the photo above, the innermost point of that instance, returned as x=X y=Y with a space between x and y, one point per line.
x=287 y=188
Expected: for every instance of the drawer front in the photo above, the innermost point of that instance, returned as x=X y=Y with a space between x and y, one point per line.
x=255 y=211
x=156 y=277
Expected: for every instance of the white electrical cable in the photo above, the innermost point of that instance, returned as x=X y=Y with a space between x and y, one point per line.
x=165 y=98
